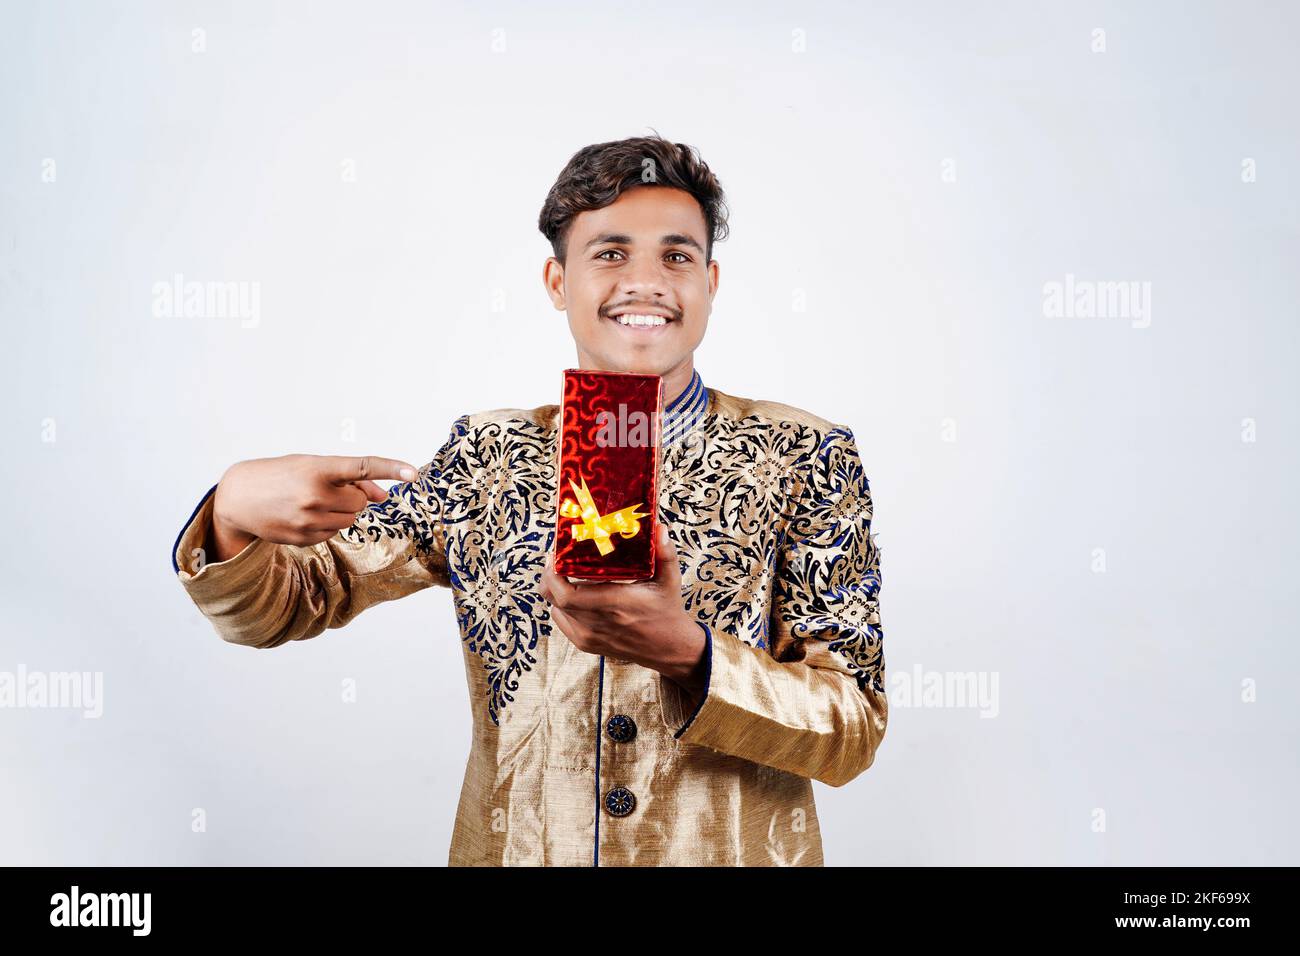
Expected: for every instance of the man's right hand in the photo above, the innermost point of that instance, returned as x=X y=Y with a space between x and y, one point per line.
x=296 y=499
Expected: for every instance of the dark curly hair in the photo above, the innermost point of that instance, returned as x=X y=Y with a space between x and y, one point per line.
x=597 y=174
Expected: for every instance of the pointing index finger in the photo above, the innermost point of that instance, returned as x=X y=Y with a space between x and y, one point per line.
x=345 y=468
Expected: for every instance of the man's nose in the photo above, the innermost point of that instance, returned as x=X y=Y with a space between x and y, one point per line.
x=644 y=278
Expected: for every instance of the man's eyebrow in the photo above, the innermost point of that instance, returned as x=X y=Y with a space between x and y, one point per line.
x=615 y=237
x=680 y=239
x=618 y=238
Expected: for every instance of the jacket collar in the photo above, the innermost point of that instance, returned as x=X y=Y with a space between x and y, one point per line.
x=685 y=411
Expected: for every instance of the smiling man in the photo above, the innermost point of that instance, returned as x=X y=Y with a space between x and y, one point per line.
x=677 y=721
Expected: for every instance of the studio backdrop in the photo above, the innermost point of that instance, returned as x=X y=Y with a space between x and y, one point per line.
x=1040 y=258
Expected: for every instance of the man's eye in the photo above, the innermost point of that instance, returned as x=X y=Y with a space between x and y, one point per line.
x=684 y=256
x=607 y=252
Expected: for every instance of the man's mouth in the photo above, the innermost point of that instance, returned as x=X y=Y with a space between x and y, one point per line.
x=641 y=320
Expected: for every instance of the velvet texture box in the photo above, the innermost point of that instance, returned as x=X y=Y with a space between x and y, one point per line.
x=607 y=485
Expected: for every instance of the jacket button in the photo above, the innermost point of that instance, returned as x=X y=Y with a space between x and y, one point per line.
x=619 y=802
x=620 y=728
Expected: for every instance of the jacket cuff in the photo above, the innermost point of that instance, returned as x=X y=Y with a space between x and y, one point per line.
x=728 y=709
x=206 y=579
x=792 y=716
x=673 y=702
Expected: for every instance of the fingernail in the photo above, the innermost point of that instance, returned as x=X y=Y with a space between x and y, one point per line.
x=408 y=474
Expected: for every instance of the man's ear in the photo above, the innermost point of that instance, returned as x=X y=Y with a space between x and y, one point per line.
x=553 y=279
x=713 y=279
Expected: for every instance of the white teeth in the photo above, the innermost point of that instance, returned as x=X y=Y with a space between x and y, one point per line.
x=629 y=318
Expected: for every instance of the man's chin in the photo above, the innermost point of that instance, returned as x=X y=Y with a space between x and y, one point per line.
x=643 y=361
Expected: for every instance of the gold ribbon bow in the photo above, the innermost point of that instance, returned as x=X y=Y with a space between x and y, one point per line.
x=595 y=526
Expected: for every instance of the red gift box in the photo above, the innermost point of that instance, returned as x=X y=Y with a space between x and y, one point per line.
x=607 y=481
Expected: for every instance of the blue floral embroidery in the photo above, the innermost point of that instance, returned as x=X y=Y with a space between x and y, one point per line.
x=771 y=520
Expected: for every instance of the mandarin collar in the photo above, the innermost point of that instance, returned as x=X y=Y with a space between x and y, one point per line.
x=685 y=411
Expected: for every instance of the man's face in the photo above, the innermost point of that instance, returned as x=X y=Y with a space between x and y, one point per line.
x=642 y=255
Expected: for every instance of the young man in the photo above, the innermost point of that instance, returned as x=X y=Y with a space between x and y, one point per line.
x=677 y=721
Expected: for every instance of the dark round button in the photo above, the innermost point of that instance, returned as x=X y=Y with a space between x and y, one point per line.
x=620 y=728
x=619 y=802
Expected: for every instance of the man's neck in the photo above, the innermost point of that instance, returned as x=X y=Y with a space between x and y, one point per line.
x=676 y=381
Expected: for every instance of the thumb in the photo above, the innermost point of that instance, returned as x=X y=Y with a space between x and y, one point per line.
x=665 y=540
x=372 y=490
x=666 y=568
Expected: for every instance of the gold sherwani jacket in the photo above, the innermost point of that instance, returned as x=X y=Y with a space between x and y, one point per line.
x=583 y=760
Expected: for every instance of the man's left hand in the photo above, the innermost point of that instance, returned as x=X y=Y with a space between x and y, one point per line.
x=643 y=622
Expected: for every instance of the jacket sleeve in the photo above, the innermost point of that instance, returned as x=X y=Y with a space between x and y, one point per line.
x=270 y=594
x=813 y=702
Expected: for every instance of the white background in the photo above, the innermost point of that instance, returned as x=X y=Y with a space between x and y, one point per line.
x=922 y=320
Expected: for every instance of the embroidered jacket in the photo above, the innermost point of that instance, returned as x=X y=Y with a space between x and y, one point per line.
x=579 y=759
